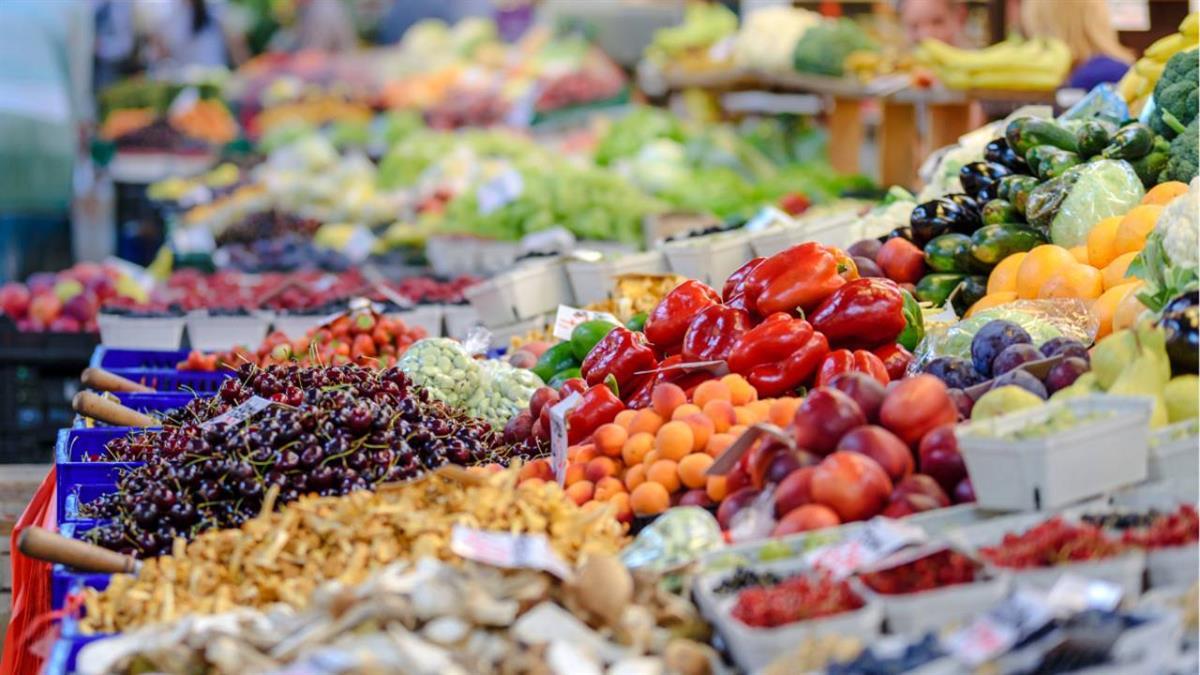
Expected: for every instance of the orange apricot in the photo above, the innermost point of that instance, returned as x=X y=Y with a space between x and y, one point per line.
x=649 y=499
x=721 y=413
x=575 y=473
x=600 y=467
x=674 y=440
x=609 y=439
x=625 y=418
x=741 y=391
x=533 y=482
x=607 y=487
x=635 y=476
x=636 y=446
x=665 y=398
x=718 y=443
x=737 y=429
x=621 y=500
x=692 y=468
x=711 y=390
x=665 y=472
x=580 y=492
x=538 y=468
x=744 y=415
x=702 y=429
x=685 y=410
x=716 y=488
x=645 y=420
x=760 y=409
x=586 y=453
x=783 y=411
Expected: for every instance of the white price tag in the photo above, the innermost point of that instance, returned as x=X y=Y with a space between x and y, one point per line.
x=504 y=549
x=358 y=246
x=569 y=317
x=500 y=190
x=766 y=217
x=1072 y=594
x=558 y=435
x=879 y=538
x=193 y=240
x=1001 y=627
x=241 y=413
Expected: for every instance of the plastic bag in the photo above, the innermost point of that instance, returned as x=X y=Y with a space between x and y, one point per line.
x=1066 y=208
x=676 y=538
x=1042 y=319
x=30 y=586
x=1102 y=102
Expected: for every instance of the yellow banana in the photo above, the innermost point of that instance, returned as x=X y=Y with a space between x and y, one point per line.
x=1190 y=26
x=1128 y=86
x=1165 y=48
x=1149 y=69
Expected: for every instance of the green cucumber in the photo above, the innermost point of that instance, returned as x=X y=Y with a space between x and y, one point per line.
x=1132 y=141
x=1026 y=132
x=1092 y=136
x=992 y=243
x=1047 y=161
x=997 y=211
x=935 y=288
x=949 y=252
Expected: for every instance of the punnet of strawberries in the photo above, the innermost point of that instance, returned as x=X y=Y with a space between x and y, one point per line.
x=1054 y=542
x=1166 y=530
x=944 y=568
x=798 y=598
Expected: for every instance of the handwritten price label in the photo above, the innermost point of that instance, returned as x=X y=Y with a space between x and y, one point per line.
x=558 y=435
x=879 y=538
x=1001 y=627
x=504 y=549
x=241 y=413
x=569 y=317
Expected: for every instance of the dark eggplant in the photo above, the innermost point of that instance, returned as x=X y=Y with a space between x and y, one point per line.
x=980 y=179
x=905 y=233
x=952 y=213
x=1181 y=321
x=970 y=291
x=998 y=151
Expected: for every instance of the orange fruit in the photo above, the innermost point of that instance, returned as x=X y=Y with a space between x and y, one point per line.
x=625 y=418
x=1039 y=265
x=716 y=488
x=1004 y=275
x=580 y=492
x=665 y=472
x=606 y=487
x=1100 y=241
x=702 y=429
x=645 y=420
x=665 y=398
x=992 y=300
x=674 y=440
x=737 y=430
x=636 y=447
x=692 y=468
x=1105 y=307
x=538 y=468
x=649 y=499
x=586 y=453
x=609 y=439
x=599 y=468
x=760 y=409
x=710 y=390
x=721 y=413
x=1075 y=281
x=532 y=482
x=783 y=411
x=1129 y=309
x=1135 y=226
x=635 y=476
x=740 y=389
x=574 y=473
x=1080 y=253
x=744 y=415
x=1114 y=273
x=685 y=410
x=718 y=443
x=1164 y=192
x=650 y=458
x=624 y=510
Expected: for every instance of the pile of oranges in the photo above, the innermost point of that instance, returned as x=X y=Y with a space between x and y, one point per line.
x=647 y=460
x=1094 y=272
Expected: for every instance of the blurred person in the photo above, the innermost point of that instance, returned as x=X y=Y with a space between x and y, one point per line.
x=944 y=20
x=1085 y=26
x=189 y=34
x=115 y=40
x=404 y=13
x=322 y=25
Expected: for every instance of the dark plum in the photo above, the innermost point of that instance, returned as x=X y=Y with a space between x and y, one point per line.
x=963 y=402
x=1065 y=346
x=1013 y=356
x=1023 y=379
x=867 y=267
x=992 y=339
x=955 y=372
x=1065 y=372
x=865 y=248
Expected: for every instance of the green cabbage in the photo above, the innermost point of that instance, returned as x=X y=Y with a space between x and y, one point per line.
x=1104 y=188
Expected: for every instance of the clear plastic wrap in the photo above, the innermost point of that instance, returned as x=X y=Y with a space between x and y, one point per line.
x=1102 y=102
x=1101 y=189
x=1042 y=319
x=678 y=537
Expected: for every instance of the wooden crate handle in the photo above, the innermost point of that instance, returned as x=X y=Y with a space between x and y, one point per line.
x=51 y=547
x=97 y=407
x=101 y=379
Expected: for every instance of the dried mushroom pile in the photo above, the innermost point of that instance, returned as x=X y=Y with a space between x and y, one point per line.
x=433 y=618
x=284 y=556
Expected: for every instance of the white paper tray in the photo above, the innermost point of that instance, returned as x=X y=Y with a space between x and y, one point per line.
x=125 y=332
x=593 y=281
x=210 y=333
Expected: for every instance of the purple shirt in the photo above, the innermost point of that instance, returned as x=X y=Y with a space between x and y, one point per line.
x=1096 y=70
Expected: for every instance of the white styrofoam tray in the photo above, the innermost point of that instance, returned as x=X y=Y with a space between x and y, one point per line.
x=593 y=281
x=710 y=259
x=916 y=613
x=1174 y=456
x=297 y=325
x=450 y=256
x=1061 y=467
x=128 y=332
x=210 y=333
x=523 y=292
x=459 y=320
x=428 y=317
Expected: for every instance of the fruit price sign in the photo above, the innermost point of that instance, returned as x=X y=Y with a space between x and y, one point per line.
x=504 y=549
x=1003 y=626
x=253 y=406
x=569 y=317
x=558 y=435
x=879 y=538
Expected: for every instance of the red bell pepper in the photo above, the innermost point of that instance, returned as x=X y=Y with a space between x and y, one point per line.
x=668 y=322
x=736 y=283
x=799 y=277
x=571 y=386
x=713 y=332
x=778 y=355
x=843 y=361
x=896 y=359
x=621 y=353
x=598 y=406
x=864 y=313
x=687 y=380
x=794 y=203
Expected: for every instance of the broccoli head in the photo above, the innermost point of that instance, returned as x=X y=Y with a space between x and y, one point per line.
x=1176 y=94
x=1182 y=165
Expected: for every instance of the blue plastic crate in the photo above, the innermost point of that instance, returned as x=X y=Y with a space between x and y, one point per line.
x=65 y=580
x=144 y=403
x=176 y=380
x=65 y=653
x=77 y=496
x=70 y=469
x=155 y=359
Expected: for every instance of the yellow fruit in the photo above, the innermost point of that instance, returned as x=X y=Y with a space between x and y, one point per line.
x=1074 y=281
x=1128 y=309
x=1164 y=192
x=1114 y=273
x=1100 y=241
x=1038 y=266
x=992 y=300
x=1004 y=275
x=1105 y=306
x=1135 y=226
x=1080 y=253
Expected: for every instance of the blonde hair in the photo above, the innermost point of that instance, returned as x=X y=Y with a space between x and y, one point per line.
x=1084 y=25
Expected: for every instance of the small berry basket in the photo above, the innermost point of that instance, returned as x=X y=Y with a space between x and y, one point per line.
x=1105 y=448
x=220 y=332
x=1158 y=523
x=1173 y=455
x=138 y=332
x=709 y=258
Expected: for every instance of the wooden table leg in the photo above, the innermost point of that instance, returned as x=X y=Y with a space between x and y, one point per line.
x=845 y=134
x=897 y=144
x=947 y=122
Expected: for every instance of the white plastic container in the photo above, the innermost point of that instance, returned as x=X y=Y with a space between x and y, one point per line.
x=1173 y=566
x=916 y=613
x=775 y=239
x=525 y=292
x=502 y=335
x=837 y=231
x=210 y=333
x=709 y=259
x=459 y=320
x=297 y=325
x=428 y=317
x=593 y=281
x=1174 y=457
x=128 y=332
x=755 y=648
x=1092 y=457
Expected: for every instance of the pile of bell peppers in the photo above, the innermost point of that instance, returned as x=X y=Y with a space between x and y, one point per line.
x=785 y=322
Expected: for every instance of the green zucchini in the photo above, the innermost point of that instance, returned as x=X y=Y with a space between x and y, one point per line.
x=1026 y=132
x=1149 y=167
x=935 y=288
x=992 y=243
x=970 y=291
x=1092 y=136
x=1047 y=161
x=1019 y=193
x=1131 y=142
x=949 y=252
x=998 y=211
